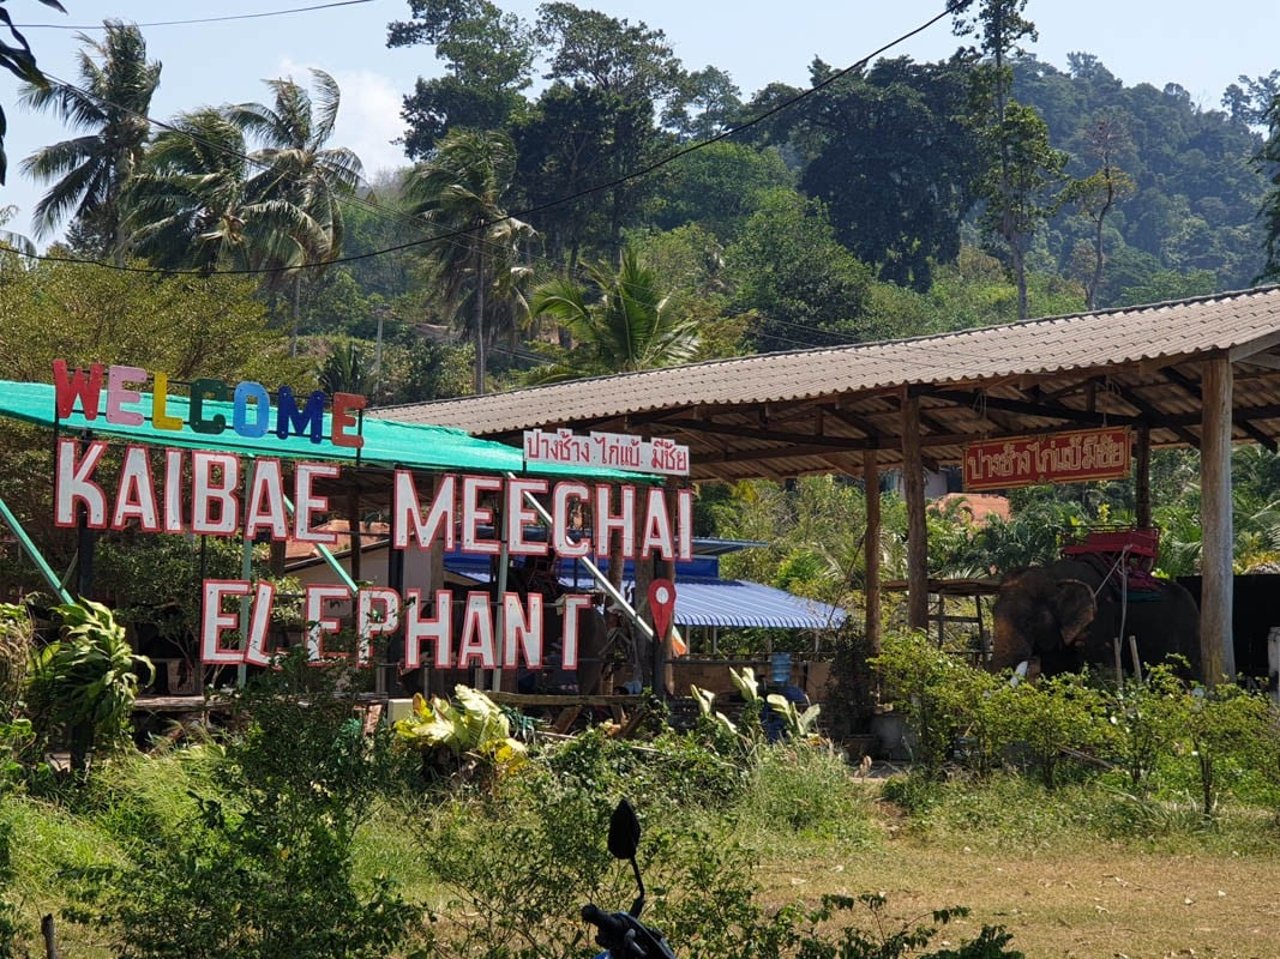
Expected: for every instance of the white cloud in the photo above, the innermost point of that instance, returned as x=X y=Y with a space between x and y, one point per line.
x=369 y=119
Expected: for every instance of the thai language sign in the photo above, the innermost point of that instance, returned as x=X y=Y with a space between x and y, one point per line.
x=606 y=450
x=207 y=492
x=1072 y=457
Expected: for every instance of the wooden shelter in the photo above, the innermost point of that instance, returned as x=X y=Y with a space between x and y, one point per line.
x=1199 y=372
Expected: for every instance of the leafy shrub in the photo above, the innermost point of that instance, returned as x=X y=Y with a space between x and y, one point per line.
x=796 y=790
x=1055 y=715
x=16 y=643
x=83 y=685
x=265 y=869
x=943 y=698
x=668 y=769
x=1145 y=719
x=517 y=870
x=801 y=934
x=474 y=736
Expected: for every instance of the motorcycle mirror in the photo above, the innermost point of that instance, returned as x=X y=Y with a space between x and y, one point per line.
x=624 y=831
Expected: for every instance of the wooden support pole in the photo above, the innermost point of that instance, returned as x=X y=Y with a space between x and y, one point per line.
x=913 y=490
x=871 y=547
x=1216 y=646
x=1142 y=476
x=354 y=529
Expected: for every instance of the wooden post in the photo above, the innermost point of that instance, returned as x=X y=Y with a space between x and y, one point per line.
x=50 y=937
x=1142 y=476
x=1216 y=646
x=354 y=529
x=913 y=490
x=871 y=549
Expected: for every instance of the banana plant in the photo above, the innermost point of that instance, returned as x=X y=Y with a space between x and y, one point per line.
x=83 y=685
x=475 y=729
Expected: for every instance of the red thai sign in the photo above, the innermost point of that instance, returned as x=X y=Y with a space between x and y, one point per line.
x=1072 y=457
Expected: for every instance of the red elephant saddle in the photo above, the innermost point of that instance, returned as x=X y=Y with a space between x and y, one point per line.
x=1127 y=552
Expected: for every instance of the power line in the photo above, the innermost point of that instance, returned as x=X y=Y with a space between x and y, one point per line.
x=644 y=171
x=178 y=23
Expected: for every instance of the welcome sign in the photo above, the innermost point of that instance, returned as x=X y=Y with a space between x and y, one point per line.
x=217 y=493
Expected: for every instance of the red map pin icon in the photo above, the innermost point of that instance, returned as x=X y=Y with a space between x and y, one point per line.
x=662 y=603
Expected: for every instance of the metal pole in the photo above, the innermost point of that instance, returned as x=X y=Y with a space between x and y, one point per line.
x=246 y=574
x=500 y=618
x=34 y=554
x=328 y=557
x=601 y=579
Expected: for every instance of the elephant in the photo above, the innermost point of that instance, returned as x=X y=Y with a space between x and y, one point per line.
x=1065 y=615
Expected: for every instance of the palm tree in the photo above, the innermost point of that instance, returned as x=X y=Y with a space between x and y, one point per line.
x=460 y=190
x=90 y=172
x=304 y=181
x=191 y=207
x=628 y=324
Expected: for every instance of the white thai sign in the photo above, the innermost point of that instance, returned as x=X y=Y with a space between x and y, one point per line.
x=606 y=450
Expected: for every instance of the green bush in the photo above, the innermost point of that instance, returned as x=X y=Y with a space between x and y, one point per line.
x=518 y=867
x=798 y=790
x=670 y=768
x=264 y=868
x=83 y=684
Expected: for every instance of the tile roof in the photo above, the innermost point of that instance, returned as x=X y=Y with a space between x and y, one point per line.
x=1079 y=341
x=1128 y=352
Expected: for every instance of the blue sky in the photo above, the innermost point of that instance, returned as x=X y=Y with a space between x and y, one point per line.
x=1202 y=45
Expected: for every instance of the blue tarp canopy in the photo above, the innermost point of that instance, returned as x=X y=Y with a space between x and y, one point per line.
x=739 y=602
x=707 y=601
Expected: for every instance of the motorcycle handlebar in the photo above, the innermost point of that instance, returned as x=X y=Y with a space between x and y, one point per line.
x=626 y=937
x=610 y=926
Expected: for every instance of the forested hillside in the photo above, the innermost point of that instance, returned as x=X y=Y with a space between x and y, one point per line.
x=576 y=200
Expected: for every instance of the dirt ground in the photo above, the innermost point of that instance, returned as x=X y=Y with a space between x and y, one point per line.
x=1099 y=903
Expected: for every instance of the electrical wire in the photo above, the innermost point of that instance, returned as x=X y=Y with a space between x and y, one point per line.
x=178 y=23
x=644 y=171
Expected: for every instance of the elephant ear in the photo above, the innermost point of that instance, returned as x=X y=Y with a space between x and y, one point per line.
x=1076 y=609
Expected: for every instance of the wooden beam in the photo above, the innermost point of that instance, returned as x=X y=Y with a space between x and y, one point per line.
x=1192 y=388
x=871 y=551
x=1216 y=640
x=917 y=532
x=1267 y=361
x=1262 y=344
x=858 y=422
x=1046 y=411
x=773 y=436
x=1142 y=476
x=1153 y=416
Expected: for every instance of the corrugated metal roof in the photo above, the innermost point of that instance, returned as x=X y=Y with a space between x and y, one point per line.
x=784 y=414
x=1033 y=347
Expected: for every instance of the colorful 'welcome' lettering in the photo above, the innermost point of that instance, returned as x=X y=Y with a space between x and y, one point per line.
x=250 y=405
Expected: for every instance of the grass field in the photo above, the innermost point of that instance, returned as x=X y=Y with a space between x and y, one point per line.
x=1066 y=872
x=1090 y=900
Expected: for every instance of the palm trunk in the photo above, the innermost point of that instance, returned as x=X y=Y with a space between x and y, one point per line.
x=480 y=355
x=295 y=310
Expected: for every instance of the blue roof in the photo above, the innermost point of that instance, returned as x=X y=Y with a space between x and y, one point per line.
x=739 y=602
x=714 y=602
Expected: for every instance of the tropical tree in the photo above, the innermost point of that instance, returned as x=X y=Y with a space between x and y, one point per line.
x=300 y=182
x=1021 y=166
x=460 y=191
x=189 y=206
x=1268 y=163
x=192 y=206
x=21 y=62
x=624 y=323
x=90 y=173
